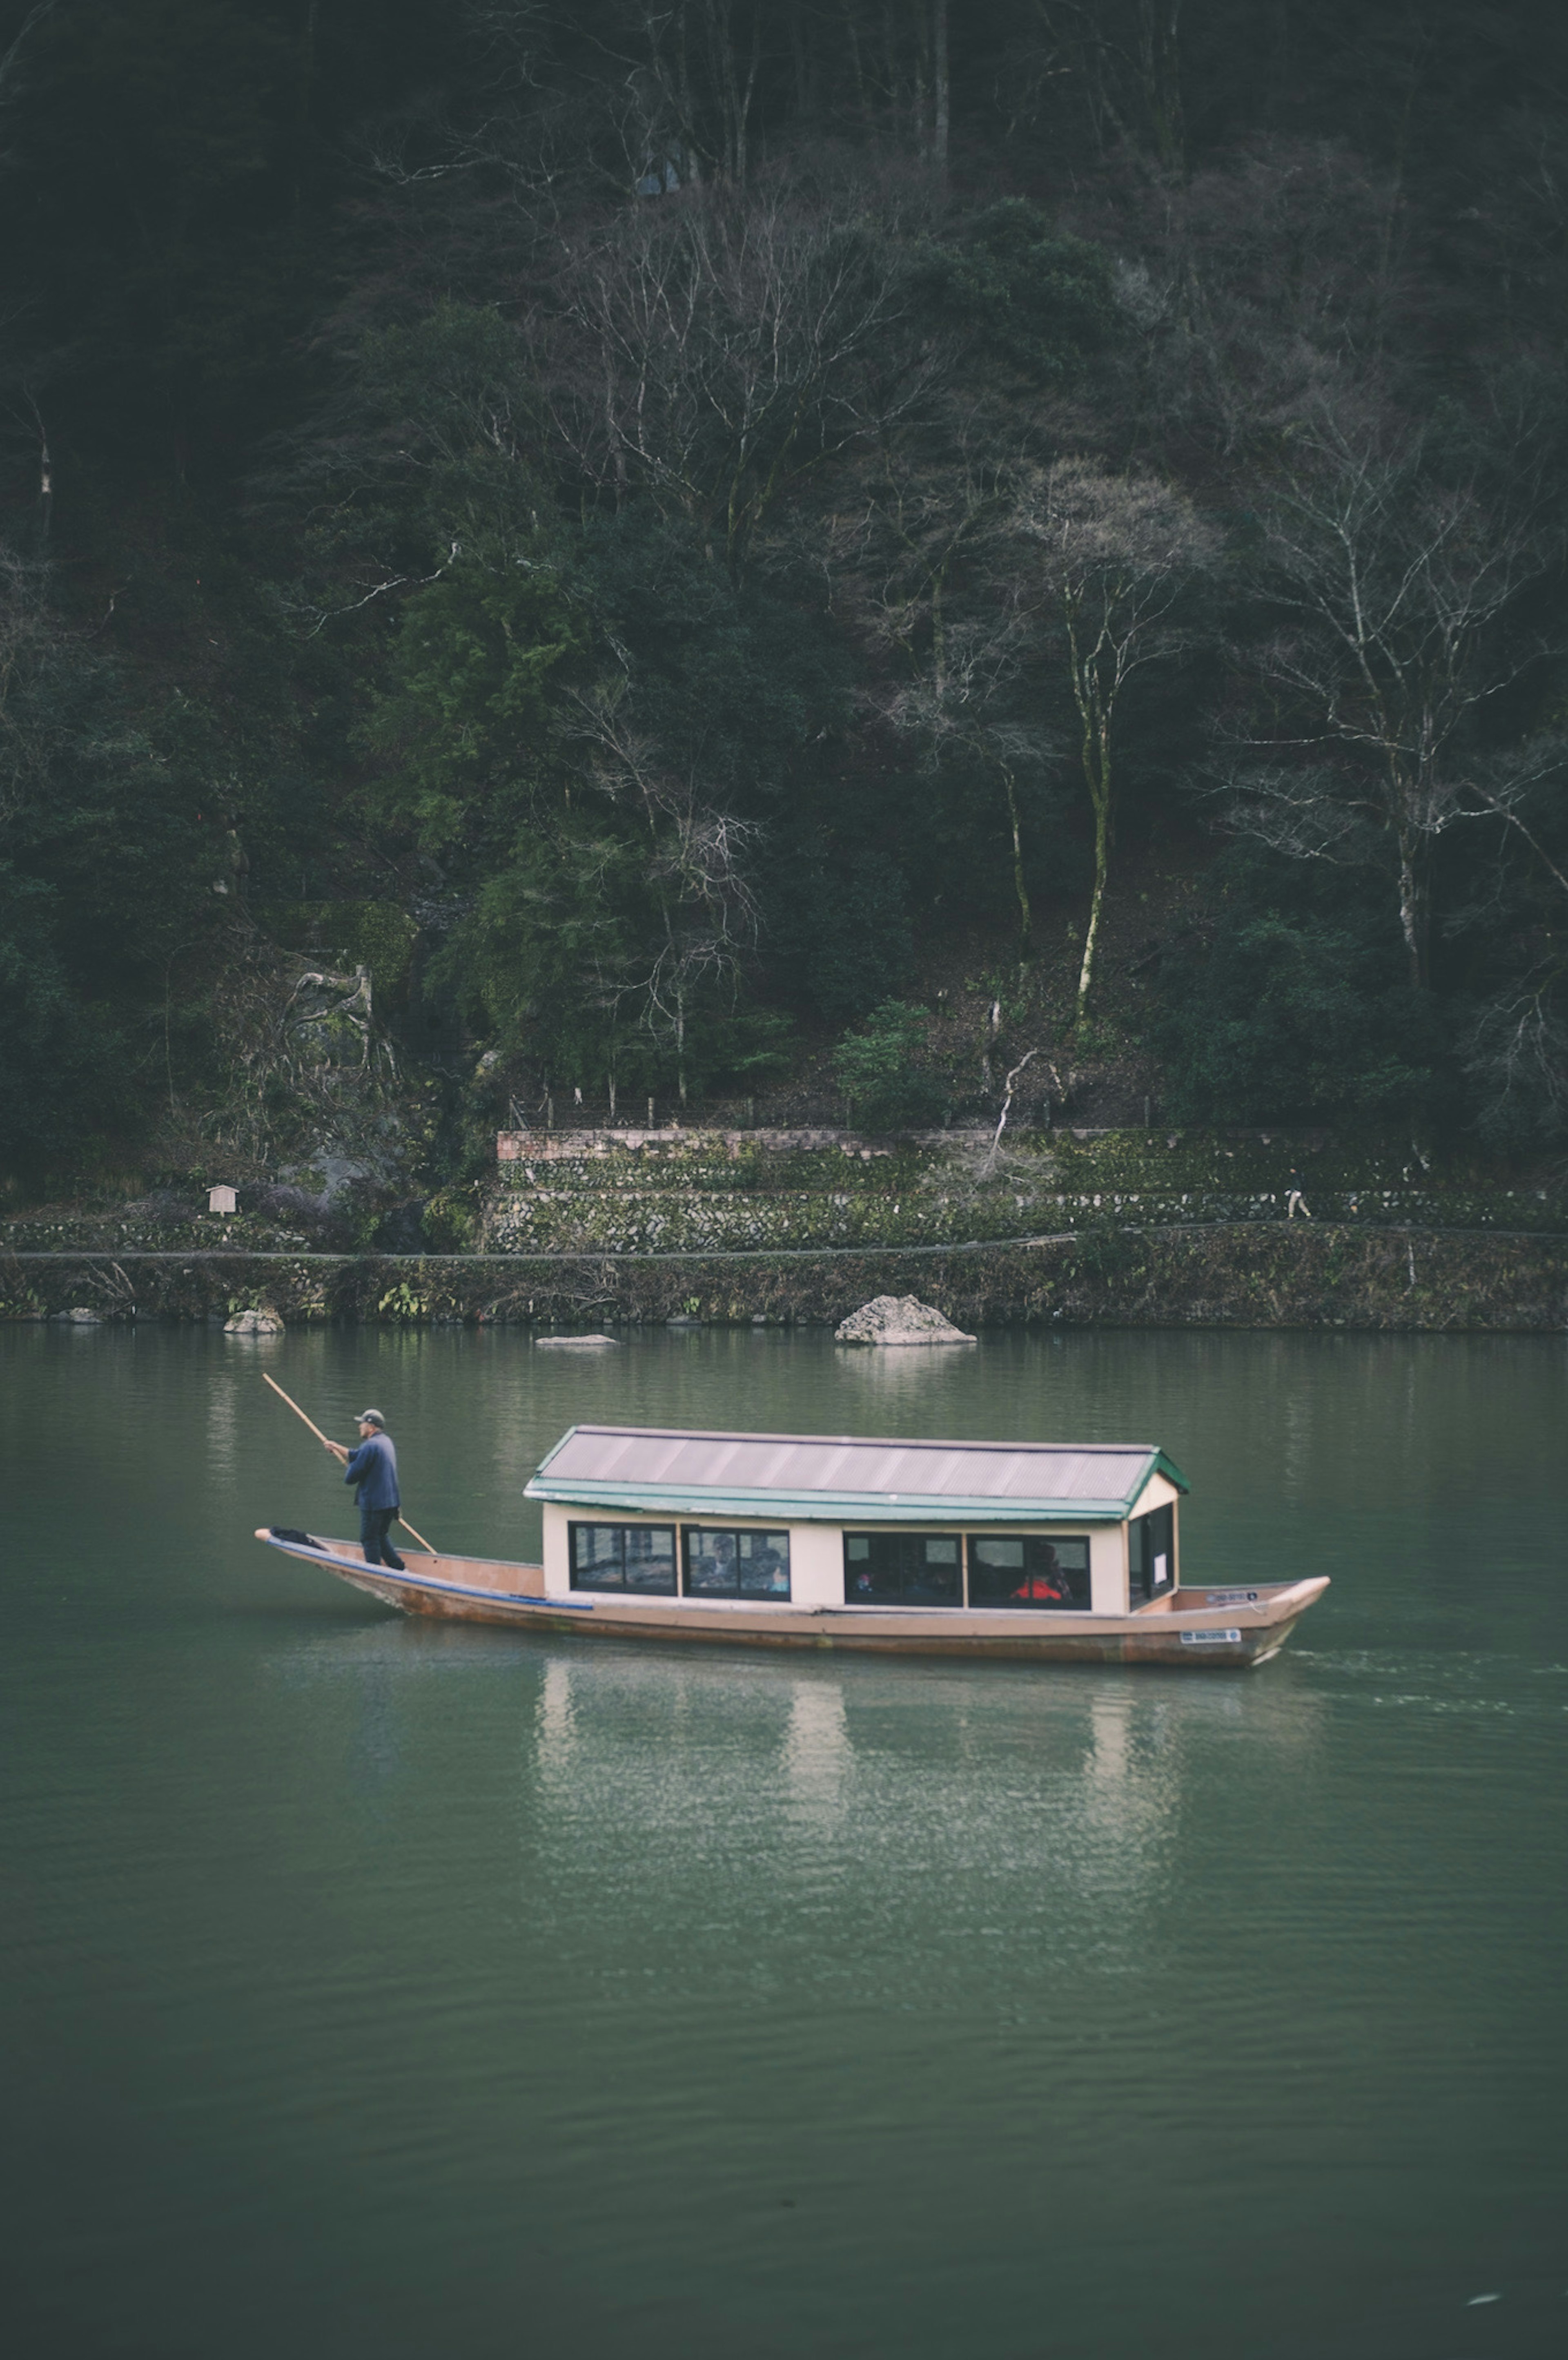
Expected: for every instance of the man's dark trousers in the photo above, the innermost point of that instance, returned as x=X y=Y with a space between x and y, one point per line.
x=375 y=1523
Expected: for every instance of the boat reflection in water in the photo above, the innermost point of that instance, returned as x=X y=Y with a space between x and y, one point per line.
x=860 y=1828
x=919 y=1816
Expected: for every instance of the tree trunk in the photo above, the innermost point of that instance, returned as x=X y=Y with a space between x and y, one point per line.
x=46 y=489
x=1413 y=908
x=1094 y=711
x=1097 y=904
x=1159 y=66
x=941 y=98
x=307 y=89
x=920 y=113
x=857 y=70
x=1098 y=773
x=892 y=68
x=938 y=637
x=1025 y=919
x=805 y=66
x=748 y=96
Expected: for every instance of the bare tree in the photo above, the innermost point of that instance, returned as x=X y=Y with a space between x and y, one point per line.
x=1112 y=554
x=1251 y=289
x=47 y=678
x=734 y=55
x=1119 y=62
x=940 y=595
x=1516 y=1054
x=941 y=95
x=686 y=72
x=716 y=347
x=1390 y=584
x=25 y=647
x=12 y=81
x=1009 y=1088
x=697 y=857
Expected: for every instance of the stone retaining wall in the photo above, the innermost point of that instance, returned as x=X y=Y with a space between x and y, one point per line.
x=1246 y=1275
x=629 y=1219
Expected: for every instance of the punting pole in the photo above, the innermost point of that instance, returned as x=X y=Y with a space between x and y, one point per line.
x=316 y=1430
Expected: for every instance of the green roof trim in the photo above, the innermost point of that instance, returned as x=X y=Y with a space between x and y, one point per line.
x=825 y=1507
x=1169 y=1469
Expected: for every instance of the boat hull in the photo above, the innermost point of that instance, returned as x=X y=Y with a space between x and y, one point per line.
x=1239 y=1629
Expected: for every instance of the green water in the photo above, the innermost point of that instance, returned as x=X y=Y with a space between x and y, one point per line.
x=377 y=1988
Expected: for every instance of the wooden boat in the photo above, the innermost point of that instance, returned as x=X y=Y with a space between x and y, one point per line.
x=1045 y=1552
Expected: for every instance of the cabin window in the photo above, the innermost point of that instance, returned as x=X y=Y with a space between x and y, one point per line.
x=902 y=1569
x=735 y=1564
x=1151 y=1555
x=1028 y=1569
x=635 y=1557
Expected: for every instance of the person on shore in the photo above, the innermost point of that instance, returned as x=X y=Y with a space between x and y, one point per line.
x=373 y=1472
x=1296 y=1198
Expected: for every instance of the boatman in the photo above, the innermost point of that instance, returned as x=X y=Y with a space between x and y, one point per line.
x=373 y=1472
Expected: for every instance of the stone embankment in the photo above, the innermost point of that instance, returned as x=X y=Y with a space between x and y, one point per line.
x=694 y=1192
x=589 y=1231
x=1241 y=1274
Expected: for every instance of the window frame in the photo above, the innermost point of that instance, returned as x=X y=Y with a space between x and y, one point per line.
x=623 y=1587
x=741 y=1597
x=1147 y=1596
x=1028 y=1605
x=902 y=1603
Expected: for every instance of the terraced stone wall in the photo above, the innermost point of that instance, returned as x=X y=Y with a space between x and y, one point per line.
x=739 y=1191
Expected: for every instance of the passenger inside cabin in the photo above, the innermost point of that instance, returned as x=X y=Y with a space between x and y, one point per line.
x=910 y=1569
x=932 y=1577
x=1044 y=1582
x=736 y=1564
x=1026 y=1570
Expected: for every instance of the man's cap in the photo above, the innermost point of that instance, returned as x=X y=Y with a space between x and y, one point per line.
x=370 y=1418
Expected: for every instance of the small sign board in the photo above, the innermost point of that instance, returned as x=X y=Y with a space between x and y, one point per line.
x=221 y=1200
x=1210 y=1638
x=1233 y=1597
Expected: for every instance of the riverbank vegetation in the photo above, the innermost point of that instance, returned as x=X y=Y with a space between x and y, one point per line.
x=777 y=557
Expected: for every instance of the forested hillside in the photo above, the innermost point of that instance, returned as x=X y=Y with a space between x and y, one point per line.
x=778 y=550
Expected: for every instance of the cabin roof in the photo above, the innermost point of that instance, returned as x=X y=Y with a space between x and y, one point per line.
x=843 y=1478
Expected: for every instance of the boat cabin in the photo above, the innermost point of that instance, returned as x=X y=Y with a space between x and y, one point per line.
x=824 y=1521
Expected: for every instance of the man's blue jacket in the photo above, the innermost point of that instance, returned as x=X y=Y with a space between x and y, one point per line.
x=373 y=1469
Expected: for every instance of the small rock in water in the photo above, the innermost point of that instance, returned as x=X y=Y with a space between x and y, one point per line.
x=898 y=1319
x=81 y=1317
x=254 y=1323
x=575 y=1343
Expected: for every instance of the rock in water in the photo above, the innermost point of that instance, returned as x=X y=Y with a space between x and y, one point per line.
x=254 y=1323
x=575 y=1343
x=79 y=1316
x=898 y=1319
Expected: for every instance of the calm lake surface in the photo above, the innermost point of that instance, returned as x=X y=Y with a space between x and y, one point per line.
x=372 y=1988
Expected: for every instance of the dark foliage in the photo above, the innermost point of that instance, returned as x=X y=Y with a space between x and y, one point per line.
x=882 y=1072
x=839 y=937
x=1297 y=1011
x=557 y=547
